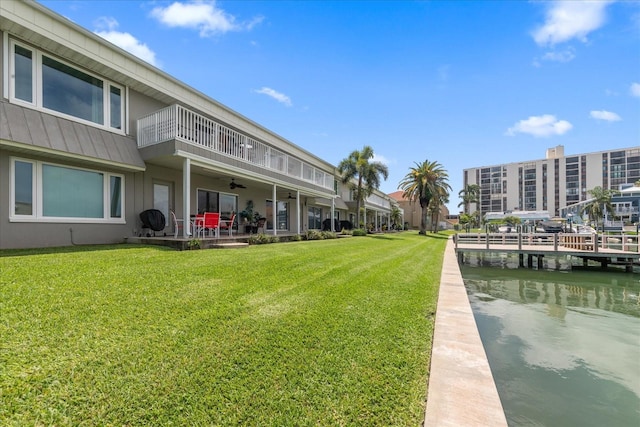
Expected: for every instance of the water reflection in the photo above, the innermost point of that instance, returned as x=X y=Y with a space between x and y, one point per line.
x=564 y=347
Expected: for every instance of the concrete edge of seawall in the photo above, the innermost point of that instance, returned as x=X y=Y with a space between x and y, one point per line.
x=461 y=389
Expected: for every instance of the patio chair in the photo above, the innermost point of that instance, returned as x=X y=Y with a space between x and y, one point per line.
x=177 y=224
x=227 y=224
x=261 y=224
x=211 y=223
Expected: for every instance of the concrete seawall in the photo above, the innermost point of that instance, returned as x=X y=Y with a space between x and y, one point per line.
x=461 y=390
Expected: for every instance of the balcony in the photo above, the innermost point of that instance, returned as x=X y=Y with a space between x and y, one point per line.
x=181 y=124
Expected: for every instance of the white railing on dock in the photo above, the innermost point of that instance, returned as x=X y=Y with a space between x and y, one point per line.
x=177 y=122
x=581 y=242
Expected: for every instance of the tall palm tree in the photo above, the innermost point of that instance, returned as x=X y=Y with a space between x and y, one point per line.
x=362 y=175
x=599 y=204
x=469 y=194
x=441 y=198
x=423 y=182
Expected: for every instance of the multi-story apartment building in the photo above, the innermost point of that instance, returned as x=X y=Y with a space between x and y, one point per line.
x=552 y=183
x=91 y=136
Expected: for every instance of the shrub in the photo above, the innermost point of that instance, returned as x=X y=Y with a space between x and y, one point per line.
x=346 y=232
x=314 y=235
x=262 y=239
x=295 y=238
x=328 y=235
x=193 y=244
x=359 y=232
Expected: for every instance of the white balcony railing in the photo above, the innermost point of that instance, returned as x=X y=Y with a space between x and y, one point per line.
x=177 y=122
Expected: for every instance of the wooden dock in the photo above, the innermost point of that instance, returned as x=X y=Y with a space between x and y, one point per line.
x=605 y=249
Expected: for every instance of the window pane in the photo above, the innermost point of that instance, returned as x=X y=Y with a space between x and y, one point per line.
x=115 y=107
x=23 y=188
x=269 y=214
x=71 y=91
x=282 y=216
x=161 y=199
x=315 y=218
x=24 y=74
x=228 y=205
x=116 y=196
x=207 y=201
x=72 y=193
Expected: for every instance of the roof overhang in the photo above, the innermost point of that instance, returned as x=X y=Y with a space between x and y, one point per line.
x=31 y=131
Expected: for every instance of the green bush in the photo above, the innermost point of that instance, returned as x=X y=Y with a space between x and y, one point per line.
x=295 y=238
x=262 y=239
x=328 y=235
x=359 y=232
x=314 y=235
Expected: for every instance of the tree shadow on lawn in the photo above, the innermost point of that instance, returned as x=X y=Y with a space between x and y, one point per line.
x=77 y=248
x=381 y=237
x=437 y=236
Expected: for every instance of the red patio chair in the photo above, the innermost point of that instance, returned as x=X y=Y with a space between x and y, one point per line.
x=211 y=223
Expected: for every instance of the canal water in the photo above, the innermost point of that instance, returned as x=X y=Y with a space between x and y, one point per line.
x=563 y=346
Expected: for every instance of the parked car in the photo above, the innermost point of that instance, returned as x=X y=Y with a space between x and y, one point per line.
x=550 y=227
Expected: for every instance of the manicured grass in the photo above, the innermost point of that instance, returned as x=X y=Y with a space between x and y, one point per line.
x=332 y=332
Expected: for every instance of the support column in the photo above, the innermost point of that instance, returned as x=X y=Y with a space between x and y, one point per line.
x=333 y=214
x=530 y=261
x=540 y=258
x=298 y=213
x=274 y=210
x=186 y=197
x=521 y=260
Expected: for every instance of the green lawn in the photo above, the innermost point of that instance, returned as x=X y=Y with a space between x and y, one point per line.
x=333 y=332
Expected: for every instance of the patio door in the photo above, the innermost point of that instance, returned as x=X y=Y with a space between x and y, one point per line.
x=282 y=215
x=162 y=200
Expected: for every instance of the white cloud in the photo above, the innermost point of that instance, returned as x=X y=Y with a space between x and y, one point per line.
x=381 y=159
x=571 y=19
x=564 y=56
x=605 y=115
x=125 y=41
x=280 y=97
x=202 y=16
x=635 y=89
x=540 y=126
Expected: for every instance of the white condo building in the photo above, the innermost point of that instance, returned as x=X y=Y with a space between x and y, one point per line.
x=551 y=183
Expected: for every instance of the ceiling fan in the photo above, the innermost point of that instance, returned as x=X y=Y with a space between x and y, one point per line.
x=290 y=196
x=233 y=185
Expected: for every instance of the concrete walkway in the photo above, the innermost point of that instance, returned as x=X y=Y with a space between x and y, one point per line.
x=461 y=388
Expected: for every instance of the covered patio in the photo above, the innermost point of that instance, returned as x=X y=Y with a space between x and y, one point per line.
x=196 y=165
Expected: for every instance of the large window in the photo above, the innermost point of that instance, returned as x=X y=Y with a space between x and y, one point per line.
x=314 y=218
x=207 y=201
x=48 y=191
x=228 y=205
x=52 y=85
x=282 y=215
x=212 y=201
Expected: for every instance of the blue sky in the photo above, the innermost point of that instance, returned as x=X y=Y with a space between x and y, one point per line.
x=464 y=83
